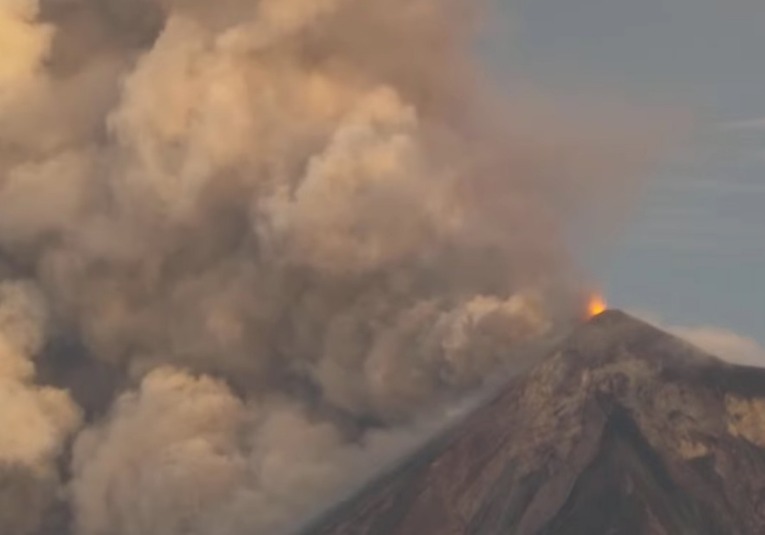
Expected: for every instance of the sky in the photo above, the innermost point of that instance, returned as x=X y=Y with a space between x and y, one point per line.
x=693 y=252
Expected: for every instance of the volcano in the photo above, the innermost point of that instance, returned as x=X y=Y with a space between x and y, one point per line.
x=623 y=430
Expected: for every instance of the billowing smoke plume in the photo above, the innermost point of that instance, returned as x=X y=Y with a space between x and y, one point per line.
x=281 y=229
x=35 y=420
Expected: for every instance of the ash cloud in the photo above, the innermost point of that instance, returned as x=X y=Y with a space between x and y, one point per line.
x=35 y=420
x=291 y=228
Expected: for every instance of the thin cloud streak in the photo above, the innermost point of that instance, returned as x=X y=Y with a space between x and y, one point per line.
x=757 y=123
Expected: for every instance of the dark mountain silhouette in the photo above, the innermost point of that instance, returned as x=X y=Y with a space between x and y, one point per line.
x=624 y=430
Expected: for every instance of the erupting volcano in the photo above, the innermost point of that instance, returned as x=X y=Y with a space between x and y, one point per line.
x=253 y=251
x=596 y=306
x=623 y=429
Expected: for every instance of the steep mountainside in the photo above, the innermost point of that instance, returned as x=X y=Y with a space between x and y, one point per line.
x=625 y=430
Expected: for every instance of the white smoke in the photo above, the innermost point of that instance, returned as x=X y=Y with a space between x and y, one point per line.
x=289 y=226
x=719 y=341
x=726 y=344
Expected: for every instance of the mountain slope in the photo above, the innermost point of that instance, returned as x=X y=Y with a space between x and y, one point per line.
x=625 y=430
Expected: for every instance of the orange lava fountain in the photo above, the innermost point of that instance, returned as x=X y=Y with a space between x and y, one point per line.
x=596 y=306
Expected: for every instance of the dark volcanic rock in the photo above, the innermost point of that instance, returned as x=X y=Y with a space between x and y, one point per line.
x=625 y=430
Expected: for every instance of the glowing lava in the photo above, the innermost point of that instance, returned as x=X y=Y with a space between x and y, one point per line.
x=596 y=306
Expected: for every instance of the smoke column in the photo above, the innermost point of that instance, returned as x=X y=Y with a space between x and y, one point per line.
x=249 y=248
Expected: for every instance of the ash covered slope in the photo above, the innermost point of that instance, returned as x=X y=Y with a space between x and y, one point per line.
x=625 y=430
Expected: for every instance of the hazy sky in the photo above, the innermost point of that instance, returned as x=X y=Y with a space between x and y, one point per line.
x=694 y=253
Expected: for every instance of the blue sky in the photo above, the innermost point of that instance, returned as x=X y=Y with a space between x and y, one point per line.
x=694 y=252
